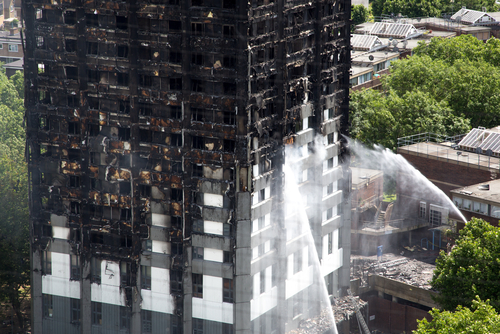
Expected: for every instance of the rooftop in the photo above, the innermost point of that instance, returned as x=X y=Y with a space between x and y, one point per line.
x=446 y=149
x=486 y=192
x=395 y=30
x=469 y=16
x=372 y=58
x=361 y=176
x=365 y=42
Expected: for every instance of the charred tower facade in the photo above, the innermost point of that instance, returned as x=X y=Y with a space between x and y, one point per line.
x=156 y=135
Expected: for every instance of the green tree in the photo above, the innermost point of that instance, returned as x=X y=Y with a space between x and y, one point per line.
x=471 y=269
x=18 y=81
x=14 y=212
x=382 y=118
x=359 y=14
x=480 y=319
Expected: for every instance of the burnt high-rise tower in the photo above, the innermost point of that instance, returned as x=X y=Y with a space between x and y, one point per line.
x=156 y=134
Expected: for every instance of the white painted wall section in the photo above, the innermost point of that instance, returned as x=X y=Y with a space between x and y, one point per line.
x=158 y=219
x=213 y=227
x=332 y=262
x=60 y=232
x=211 y=254
x=158 y=299
x=213 y=311
x=161 y=247
x=213 y=200
x=211 y=306
x=59 y=284
x=108 y=291
x=263 y=303
x=212 y=288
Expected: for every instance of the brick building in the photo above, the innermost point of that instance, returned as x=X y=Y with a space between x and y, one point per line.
x=156 y=135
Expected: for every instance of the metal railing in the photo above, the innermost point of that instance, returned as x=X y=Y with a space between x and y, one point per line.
x=429 y=137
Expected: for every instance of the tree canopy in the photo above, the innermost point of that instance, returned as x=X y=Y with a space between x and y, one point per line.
x=14 y=212
x=359 y=14
x=471 y=268
x=481 y=318
x=428 y=8
x=453 y=81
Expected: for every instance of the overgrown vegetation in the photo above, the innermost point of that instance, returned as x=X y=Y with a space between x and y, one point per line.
x=446 y=87
x=470 y=269
x=14 y=213
x=481 y=318
x=428 y=8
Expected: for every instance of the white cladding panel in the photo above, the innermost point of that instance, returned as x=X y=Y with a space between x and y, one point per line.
x=59 y=286
x=211 y=254
x=212 y=288
x=213 y=311
x=158 y=219
x=161 y=247
x=332 y=262
x=213 y=200
x=60 y=232
x=212 y=227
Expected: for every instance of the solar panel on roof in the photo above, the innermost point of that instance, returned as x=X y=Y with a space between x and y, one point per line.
x=480 y=140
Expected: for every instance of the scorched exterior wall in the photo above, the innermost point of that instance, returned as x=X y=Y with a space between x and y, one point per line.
x=156 y=135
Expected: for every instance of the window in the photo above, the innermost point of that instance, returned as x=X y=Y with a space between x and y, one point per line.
x=92 y=20
x=175 y=281
x=228 y=289
x=121 y=22
x=197 y=28
x=13 y=48
x=174 y=26
x=144 y=190
x=40 y=42
x=175 y=112
x=175 y=83
x=122 y=79
x=198 y=225
x=198 y=285
x=176 y=248
x=197 y=326
x=421 y=212
x=73 y=128
x=125 y=274
x=297 y=261
x=146 y=321
x=229 y=4
x=92 y=48
x=227 y=257
x=75 y=311
x=125 y=315
x=340 y=238
x=122 y=51
x=197 y=59
x=46 y=263
x=75 y=267
x=70 y=17
x=71 y=72
x=263 y=281
x=228 y=31
x=96 y=314
x=330 y=243
x=175 y=57
x=70 y=45
x=146 y=277
x=198 y=253
x=197 y=86
x=95 y=270
x=75 y=208
x=47 y=305
x=226 y=229
x=73 y=101
x=229 y=118
x=198 y=142
x=435 y=217
x=229 y=145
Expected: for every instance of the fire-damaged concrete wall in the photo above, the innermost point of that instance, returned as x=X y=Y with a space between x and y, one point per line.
x=155 y=140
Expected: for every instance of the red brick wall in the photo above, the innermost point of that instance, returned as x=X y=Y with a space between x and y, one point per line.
x=449 y=172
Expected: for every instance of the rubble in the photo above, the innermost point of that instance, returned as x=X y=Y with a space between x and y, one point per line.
x=410 y=271
x=343 y=310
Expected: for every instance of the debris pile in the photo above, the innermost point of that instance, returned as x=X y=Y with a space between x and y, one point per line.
x=343 y=310
x=399 y=268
